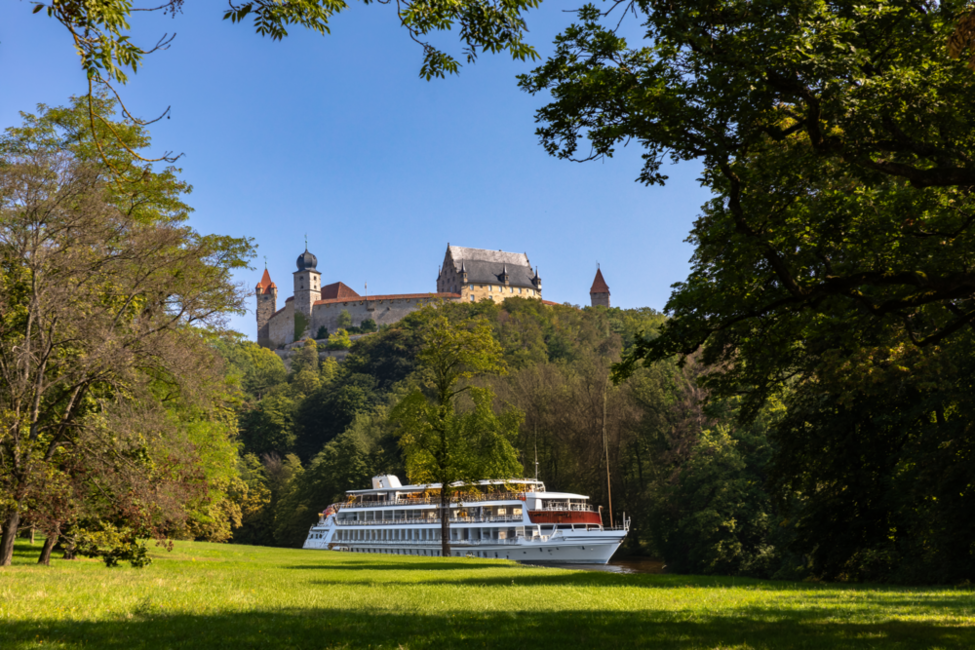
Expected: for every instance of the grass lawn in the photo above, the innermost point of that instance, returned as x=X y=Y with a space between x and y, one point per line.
x=214 y=596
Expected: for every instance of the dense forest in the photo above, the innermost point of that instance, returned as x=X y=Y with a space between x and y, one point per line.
x=687 y=475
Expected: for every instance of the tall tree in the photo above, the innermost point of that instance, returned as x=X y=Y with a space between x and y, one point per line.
x=102 y=290
x=834 y=265
x=443 y=443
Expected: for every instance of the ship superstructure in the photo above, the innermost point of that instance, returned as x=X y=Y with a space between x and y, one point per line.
x=515 y=519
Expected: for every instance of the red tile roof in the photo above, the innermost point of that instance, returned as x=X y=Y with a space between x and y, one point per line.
x=265 y=285
x=599 y=285
x=338 y=290
x=393 y=296
x=550 y=303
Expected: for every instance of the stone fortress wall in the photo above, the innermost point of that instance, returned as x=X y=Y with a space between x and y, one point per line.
x=385 y=310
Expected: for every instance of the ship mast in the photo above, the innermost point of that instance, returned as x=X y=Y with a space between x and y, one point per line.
x=535 y=428
x=609 y=487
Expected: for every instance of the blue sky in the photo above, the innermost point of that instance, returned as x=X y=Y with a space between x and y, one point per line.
x=338 y=138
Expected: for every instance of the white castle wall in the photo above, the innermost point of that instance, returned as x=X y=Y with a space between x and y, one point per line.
x=281 y=327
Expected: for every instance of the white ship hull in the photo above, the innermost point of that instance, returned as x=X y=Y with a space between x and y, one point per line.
x=531 y=526
x=559 y=550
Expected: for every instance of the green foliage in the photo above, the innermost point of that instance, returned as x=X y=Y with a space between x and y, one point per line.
x=364 y=449
x=109 y=310
x=256 y=368
x=367 y=326
x=832 y=267
x=344 y=320
x=713 y=515
x=339 y=341
x=113 y=546
x=442 y=444
x=301 y=324
x=269 y=426
x=329 y=411
x=100 y=31
x=322 y=333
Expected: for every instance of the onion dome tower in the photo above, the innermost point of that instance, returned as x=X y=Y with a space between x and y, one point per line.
x=308 y=287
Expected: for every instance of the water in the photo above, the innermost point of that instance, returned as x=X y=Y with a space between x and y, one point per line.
x=624 y=565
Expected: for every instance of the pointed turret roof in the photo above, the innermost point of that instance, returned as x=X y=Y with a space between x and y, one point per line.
x=599 y=284
x=265 y=284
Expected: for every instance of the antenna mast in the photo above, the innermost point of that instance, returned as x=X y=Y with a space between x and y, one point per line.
x=535 y=428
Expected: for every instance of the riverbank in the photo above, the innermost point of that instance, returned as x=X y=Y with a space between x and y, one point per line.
x=213 y=596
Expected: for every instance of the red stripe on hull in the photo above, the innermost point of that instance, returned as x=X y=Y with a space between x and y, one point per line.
x=563 y=517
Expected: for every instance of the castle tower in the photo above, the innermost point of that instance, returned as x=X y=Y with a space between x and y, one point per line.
x=599 y=292
x=308 y=289
x=267 y=304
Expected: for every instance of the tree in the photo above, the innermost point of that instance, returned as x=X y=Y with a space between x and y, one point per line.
x=792 y=107
x=441 y=443
x=103 y=291
x=344 y=320
x=834 y=266
x=256 y=368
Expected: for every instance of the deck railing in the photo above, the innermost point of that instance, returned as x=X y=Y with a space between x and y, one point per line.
x=427 y=520
x=458 y=501
x=420 y=501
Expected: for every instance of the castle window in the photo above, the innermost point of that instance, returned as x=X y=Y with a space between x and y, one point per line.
x=490 y=288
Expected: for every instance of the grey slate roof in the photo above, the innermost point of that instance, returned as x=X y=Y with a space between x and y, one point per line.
x=484 y=266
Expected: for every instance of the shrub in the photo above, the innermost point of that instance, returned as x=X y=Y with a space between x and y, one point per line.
x=339 y=341
x=368 y=325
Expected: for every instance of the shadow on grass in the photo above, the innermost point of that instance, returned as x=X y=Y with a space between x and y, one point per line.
x=397 y=565
x=405 y=571
x=321 y=628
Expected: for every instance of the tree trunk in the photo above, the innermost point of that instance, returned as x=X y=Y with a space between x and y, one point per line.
x=9 y=535
x=32 y=531
x=444 y=522
x=49 y=542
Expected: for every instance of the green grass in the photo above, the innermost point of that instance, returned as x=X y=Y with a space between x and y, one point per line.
x=212 y=596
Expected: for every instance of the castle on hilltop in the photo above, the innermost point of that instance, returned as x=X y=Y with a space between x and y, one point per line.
x=467 y=275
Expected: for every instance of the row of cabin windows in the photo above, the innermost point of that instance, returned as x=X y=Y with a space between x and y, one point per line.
x=413 y=515
x=456 y=534
x=423 y=535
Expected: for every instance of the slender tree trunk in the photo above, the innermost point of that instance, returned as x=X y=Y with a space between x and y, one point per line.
x=444 y=522
x=49 y=542
x=9 y=535
x=32 y=531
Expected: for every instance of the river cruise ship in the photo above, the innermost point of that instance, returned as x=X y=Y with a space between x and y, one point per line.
x=515 y=519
